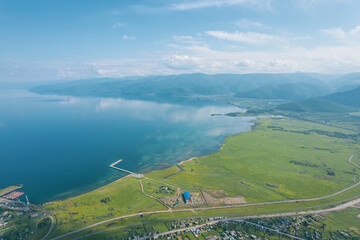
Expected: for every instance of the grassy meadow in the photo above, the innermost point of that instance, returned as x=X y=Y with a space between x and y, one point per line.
x=276 y=161
x=279 y=159
x=348 y=219
x=116 y=199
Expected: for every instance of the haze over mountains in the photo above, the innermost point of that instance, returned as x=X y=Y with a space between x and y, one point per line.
x=173 y=86
x=347 y=101
x=291 y=91
x=309 y=91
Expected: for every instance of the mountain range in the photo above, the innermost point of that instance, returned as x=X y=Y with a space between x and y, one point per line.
x=346 y=101
x=173 y=86
x=306 y=91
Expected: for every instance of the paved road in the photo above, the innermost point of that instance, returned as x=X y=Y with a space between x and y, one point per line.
x=107 y=230
x=337 y=208
x=322 y=211
x=106 y=221
x=219 y=207
x=185 y=229
x=51 y=227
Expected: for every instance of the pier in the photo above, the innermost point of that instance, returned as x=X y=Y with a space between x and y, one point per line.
x=137 y=175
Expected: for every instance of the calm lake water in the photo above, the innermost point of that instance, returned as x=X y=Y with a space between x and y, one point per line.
x=61 y=146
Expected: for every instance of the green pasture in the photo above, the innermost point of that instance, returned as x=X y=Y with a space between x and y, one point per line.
x=116 y=199
x=268 y=164
x=279 y=159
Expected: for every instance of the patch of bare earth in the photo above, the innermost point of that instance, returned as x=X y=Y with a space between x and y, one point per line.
x=355 y=229
x=170 y=200
x=219 y=197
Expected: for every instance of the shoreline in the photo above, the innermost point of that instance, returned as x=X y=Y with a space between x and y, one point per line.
x=190 y=159
x=221 y=148
x=252 y=127
x=180 y=163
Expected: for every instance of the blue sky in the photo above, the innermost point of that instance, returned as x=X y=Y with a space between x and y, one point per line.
x=44 y=40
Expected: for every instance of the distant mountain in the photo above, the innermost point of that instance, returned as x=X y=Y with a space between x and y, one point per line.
x=173 y=86
x=347 y=101
x=349 y=98
x=289 y=91
x=315 y=105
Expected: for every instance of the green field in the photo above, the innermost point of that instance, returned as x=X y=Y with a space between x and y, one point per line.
x=348 y=220
x=116 y=199
x=279 y=159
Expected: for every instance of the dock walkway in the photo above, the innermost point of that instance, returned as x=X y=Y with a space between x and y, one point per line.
x=137 y=175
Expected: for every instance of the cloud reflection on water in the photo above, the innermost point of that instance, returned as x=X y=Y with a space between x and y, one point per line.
x=147 y=110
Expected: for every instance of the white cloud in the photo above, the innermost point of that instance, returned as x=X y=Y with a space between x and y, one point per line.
x=339 y=33
x=246 y=37
x=183 y=37
x=311 y=5
x=185 y=5
x=189 y=5
x=126 y=37
x=118 y=25
x=335 y=32
x=181 y=62
x=245 y=23
x=186 y=58
x=325 y=59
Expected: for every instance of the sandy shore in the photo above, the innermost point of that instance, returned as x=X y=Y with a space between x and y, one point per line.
x=190 y=159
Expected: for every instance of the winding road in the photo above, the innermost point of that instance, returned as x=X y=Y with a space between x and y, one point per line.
x=51 y=227
x=157 y=199
x=337 y=208
x=350 y=161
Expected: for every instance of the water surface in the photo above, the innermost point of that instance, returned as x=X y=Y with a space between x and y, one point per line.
x=60 y=146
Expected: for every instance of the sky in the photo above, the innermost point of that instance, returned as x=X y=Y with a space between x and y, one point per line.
x=47 y=40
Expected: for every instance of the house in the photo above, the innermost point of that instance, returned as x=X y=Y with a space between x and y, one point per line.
x=187 y=197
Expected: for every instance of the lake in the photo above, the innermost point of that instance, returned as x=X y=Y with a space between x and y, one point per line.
x=62 y=146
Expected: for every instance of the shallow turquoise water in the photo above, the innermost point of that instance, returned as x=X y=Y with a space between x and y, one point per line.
x=60 y=146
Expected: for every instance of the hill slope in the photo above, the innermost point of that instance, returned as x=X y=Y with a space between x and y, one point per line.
x=290 y=91
x=174 y=86
x=349 y=98
x=346 y=82
x=347 y=101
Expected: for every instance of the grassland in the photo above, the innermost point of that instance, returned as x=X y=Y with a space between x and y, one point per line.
x=295 y=164
x=9 y=189
x=118 y=226
x=279 y=159
x=348 y=220
x=116 y=199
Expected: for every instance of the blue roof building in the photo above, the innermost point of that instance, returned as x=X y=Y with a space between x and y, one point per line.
x=187 y=196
